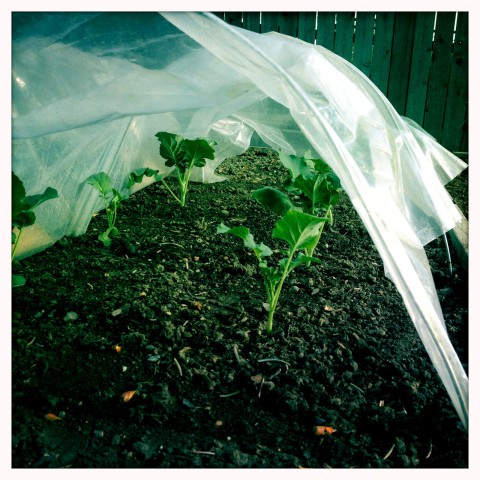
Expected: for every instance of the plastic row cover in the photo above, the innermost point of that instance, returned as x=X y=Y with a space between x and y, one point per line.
x=91 y=90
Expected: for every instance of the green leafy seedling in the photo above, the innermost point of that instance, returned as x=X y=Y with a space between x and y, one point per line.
x=23 y=215
x=312 y=184
x=299 y=230
x=183 y=154
x=112 y=197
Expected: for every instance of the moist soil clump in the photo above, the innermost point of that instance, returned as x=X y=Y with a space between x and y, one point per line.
x=175 y=313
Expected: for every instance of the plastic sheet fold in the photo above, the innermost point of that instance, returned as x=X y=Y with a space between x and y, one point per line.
x=91 y=90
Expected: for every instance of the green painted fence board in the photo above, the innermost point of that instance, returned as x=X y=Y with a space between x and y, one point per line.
x=363 y=47
x=344 y=35
x=382 y=50
x=269 y=22
x=288 y=23
x=457 y=95
x=306 y=26
x=439 y=74
x=251 y=21
x=401 y=57
x=282 y=22
x=326 y=30
x=420 y=66
x=234 y=18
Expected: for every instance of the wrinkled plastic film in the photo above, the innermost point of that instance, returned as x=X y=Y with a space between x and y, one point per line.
x=332 y=125
x=91 y=90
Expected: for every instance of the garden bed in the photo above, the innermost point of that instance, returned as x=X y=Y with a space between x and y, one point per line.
x=175 y=312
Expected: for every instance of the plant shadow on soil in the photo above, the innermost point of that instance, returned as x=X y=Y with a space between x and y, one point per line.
x=212 y=388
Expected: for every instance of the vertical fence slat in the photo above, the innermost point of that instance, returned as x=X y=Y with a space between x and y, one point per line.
x=401 y=57
x=269 y=22
x=439 y=74
x=344 y=35
x=251 y=21
x=362 y=49
x=457 y=96
x=288 y=23
x=306 y=26
x=326 y=30
x=234 y=18
x=420 y=66
x=382 y=50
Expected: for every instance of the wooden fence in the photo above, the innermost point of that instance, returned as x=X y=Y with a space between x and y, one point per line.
x=418 y=60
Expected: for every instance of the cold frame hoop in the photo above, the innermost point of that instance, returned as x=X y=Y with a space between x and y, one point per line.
x=413 y=304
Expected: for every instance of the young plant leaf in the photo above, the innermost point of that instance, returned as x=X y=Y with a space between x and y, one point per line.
x=298 y=229
x=196 y=151
x=275 y=200
x=171 y=148
x=137 y=176
x=295 y=165
x=101 y=182
x=18 y=280
x=261 y=250
x=314 y=187
x=23 y=206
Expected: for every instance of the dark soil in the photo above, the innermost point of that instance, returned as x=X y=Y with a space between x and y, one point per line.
x=212 y=388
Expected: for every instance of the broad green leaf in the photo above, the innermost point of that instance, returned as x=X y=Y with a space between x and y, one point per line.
x=18 y=280
x=302 y=258
x=244 y=233
x=101 y=182
x=137 y=176
x=298 y=229
x=320 y=165
x=198 y=150
x=295 y=165
x=276 y=201
x=170 y=147
x=24 y=219
x=22 y=206
x=34 y=201
x=313 y=186
x=18 y=195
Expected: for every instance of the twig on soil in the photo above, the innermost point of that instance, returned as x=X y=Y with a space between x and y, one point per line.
x=203 y=453
x=170 y=243
x=178 y=366
x=261 y=385
x=430 y=450
x=229 y=394
x=276 y=373
x=389 y=452
x=275 y=360
x=358 y=388
x=240 y=361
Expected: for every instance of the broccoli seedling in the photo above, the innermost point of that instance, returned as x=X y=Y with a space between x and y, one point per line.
x=112 y=197
x=183 y=154
x=312 y=184
x=23 y=215
x=300 y=231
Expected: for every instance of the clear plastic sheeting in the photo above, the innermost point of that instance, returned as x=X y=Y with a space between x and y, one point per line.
x=91 y=90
